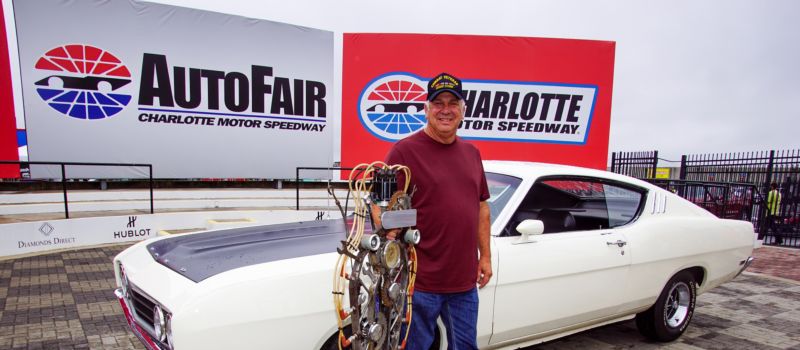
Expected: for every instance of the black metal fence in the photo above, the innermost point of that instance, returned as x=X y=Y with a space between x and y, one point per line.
x=641 y=165
x=726 y=200
x=64 y=176
x=732 y=185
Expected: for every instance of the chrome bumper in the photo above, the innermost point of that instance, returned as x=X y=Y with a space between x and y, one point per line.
x=148 y=342
x=744 y=264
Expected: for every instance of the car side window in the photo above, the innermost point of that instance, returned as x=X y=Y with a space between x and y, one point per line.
x=623 y=205
x=566 y=204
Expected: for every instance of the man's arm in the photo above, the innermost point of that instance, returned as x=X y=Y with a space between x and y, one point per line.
x=485 y=261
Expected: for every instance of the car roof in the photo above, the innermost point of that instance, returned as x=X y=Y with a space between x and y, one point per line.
x=533 y=170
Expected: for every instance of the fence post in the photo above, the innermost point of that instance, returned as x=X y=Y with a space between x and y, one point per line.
x=769 y=169
x=64 y=188
x=683 y=171
x=655 y=163
x=151 y=188
x=297 y=186
x=682 y=176
x=613 y=161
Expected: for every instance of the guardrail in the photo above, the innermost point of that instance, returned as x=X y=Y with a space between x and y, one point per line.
x=297 y=178
x=64 y=175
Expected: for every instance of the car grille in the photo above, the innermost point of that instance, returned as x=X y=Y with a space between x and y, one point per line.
x=142 y=308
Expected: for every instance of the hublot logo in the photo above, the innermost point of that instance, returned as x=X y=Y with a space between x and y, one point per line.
x=131 y=221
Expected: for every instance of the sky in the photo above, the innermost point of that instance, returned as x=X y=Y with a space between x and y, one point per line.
x=690 y=77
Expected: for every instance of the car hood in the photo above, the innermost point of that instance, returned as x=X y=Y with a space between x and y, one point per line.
x=202 y=255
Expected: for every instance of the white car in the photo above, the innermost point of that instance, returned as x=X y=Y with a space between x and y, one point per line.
x=572 y=249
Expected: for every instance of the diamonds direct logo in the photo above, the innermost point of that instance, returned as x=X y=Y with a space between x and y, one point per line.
x=392 y=106
x=81 y=81
x=46 y=229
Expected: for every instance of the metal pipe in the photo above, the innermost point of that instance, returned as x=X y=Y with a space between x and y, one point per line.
x=151 y=189
x=64 y=188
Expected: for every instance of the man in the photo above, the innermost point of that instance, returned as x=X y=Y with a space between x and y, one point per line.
x=773 y=208
x=450 y=194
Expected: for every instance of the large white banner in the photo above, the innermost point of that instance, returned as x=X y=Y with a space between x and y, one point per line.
x=197 y=94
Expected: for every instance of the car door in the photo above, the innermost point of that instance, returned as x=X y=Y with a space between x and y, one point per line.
x=570 y=275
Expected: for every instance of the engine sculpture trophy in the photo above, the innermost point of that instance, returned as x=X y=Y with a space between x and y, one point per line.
x=377 y=267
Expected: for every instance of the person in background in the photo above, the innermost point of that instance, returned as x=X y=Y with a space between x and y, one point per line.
x=773 y=209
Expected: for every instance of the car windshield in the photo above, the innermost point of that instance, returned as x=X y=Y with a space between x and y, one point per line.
x=501 y=188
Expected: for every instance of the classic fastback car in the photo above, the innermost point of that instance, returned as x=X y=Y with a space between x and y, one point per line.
x=572 y=249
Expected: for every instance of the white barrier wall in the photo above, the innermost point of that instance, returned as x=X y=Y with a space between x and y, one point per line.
x=42 y=236
x=198 y=94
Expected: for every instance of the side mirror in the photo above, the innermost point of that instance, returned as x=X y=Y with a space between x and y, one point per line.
x=529 y=228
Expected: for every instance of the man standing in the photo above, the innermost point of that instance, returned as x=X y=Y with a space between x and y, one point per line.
x=450 y=194
x=773 y=208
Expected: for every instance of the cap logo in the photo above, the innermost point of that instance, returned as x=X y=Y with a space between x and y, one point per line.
x=444 y=82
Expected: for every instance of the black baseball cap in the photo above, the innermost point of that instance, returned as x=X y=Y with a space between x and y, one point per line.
x=444 y=82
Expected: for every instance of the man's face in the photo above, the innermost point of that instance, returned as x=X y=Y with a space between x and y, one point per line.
x=444 y=113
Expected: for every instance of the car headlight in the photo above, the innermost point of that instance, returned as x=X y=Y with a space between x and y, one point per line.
x=124 y=281
x=169 y=330
x=159 y=323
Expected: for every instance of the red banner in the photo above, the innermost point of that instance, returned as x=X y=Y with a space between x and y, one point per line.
x=8 y=123
x=531 y=99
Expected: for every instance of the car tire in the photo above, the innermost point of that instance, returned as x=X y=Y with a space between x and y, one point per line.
x=668 y=318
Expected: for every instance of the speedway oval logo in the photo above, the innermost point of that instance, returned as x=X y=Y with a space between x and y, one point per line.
x=82 y=81
x=392 y=106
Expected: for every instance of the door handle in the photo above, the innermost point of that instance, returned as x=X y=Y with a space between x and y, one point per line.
x=619 y=243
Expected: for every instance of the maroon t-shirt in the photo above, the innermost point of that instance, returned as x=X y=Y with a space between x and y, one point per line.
x=450 y=184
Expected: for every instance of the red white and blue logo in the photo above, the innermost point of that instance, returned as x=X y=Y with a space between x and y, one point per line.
x=392 y=106
x=82 y=81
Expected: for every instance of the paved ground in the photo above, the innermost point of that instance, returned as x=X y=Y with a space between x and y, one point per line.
x=62 y=301
x=65 y=301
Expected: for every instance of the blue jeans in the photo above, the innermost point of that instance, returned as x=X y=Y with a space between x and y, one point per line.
x=459 y=312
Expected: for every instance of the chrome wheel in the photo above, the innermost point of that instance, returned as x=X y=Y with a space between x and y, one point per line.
x=677 y=306
x=668 y=318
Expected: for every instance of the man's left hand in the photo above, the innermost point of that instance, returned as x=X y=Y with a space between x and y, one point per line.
x=484 y=271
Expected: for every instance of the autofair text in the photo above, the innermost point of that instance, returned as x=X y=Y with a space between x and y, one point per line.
x=256 y=92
